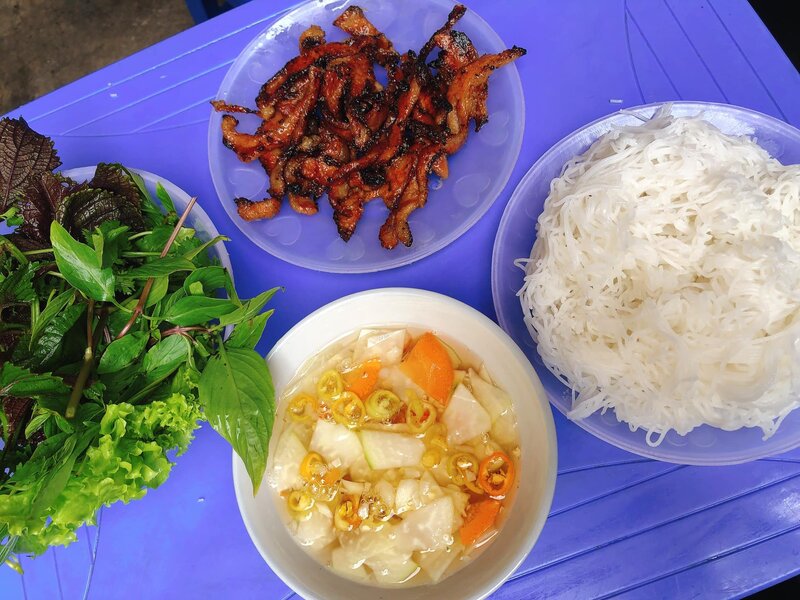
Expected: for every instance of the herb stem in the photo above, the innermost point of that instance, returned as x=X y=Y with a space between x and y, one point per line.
x=35 y=252
x=15 y=252
x=136 y=236
x=45 y=269
x=89 y=323
x=139 y=309
x=181 y=330
x=10 y=304
x=178 y=226
x=80 y=383
x=86 y=367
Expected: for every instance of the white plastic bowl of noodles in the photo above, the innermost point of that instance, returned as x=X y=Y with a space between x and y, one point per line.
x=510 y=370
x=703 y=445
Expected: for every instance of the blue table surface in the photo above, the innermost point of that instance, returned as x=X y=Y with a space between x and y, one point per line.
x=620 y=524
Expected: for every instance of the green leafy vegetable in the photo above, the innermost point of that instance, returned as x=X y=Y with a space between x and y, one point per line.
x=24 y=156
x=247 y=333
x=122 y=353
x=249 y=309
x=164 y=198
x=55 y=305
x=16 y=381
x=37 y=205
x=211 y=278
x=57 y=342
x=80 y=266
x=161 y=266
x=239 y=401
x=126 y=456
x=115 y=178
x=88 y=208
x=158 y=291
x=193 y=310
x=112 y=312
x=165 y=356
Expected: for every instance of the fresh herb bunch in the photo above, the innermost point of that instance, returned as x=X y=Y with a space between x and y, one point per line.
x=112 y=346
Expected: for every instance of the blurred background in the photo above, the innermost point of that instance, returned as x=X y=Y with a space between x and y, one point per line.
x=45 y=44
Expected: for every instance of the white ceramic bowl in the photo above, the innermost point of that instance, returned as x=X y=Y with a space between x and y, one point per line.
x=507 y=365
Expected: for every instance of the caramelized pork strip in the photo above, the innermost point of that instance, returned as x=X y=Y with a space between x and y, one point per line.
x=261 y=209
x=285 y=125
x=300 y=63
x=305 y=205
x=291 y=111
x=396 y=229
x=347 y=198
x=467 y=93
x=390 y=137
x=352 y=100
x=440 y=166
x=457 y=52
x=311 y=38
x=274 y=161
x=246 y=146
x=455 y=14
x=329 y=155
x=302 y=193
x=353 y=22
x=222 y=106
x=377 y=47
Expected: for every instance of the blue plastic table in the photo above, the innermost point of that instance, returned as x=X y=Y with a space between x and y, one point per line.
x=620 y=524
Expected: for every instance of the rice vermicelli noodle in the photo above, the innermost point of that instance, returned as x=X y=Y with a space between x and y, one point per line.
x=665 y=279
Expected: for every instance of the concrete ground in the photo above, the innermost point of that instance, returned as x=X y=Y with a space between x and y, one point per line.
x=45 y=44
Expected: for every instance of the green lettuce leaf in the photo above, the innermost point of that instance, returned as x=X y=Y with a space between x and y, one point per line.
x=127 y=457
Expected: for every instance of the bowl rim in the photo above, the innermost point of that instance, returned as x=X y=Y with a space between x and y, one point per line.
x=505 y=570
x=516 y=198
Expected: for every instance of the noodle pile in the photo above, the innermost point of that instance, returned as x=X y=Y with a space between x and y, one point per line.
x=665 y=279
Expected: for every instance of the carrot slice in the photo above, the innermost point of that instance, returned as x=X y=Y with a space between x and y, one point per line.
x=428 y=365
x=362 y=379
x=480 y=517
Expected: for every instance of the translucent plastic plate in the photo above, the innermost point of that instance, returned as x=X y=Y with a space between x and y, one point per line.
x=197 y=219
x=515 y=236
x=478 y=172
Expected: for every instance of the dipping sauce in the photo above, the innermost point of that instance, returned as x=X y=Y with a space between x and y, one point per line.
x=396 y=459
